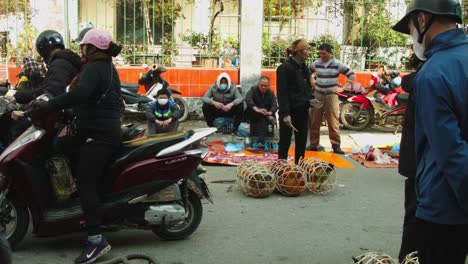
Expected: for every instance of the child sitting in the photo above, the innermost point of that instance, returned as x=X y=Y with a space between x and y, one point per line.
x=163 y=114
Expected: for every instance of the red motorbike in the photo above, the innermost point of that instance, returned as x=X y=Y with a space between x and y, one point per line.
x=152 y=184
x=363 y=110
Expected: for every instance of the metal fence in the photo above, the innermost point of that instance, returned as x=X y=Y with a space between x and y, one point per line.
x=205 y=33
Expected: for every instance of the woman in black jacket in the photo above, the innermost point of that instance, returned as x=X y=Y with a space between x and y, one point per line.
x=294 y=92
x=96 y=101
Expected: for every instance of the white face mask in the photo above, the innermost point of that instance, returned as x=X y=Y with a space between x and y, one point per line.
x=418 y=48
x=163 y=101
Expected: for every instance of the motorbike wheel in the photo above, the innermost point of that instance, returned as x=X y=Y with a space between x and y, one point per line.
x=350 y=119
x=193 y=218
x=15 y=219
x=5 y=251
x=180 y=101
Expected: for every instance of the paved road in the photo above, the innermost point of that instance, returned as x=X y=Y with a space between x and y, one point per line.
x=364 y=213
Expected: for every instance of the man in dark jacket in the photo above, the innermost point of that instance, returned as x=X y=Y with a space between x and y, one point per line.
x=407 y=165
x=261 y=102
x=294 y=93
x=63 y=65
x=441 y=129
x=223 y=99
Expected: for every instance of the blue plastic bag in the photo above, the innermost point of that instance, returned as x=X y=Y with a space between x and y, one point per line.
x=234 y=147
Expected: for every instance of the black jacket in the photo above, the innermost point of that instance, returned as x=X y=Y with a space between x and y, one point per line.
x=94 y=111
x=293 y=85
x=407 y=158
x=63 y=66
x=254 y=98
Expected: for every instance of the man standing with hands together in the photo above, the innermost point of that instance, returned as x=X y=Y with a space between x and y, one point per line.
x=294 y=92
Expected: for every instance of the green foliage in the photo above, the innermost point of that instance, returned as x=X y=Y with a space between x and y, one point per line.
x=218 y=45
x=376 y=31
x=24 y=44
x=274 y=51
x=284 y=10
x=168 y=49
x=162 y=15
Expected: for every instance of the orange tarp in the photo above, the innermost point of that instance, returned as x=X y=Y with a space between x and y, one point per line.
x=194 y=82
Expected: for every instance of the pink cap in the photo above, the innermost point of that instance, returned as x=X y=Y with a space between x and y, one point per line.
x=98 y=37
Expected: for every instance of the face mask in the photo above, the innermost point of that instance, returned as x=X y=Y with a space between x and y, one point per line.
x=223 y=87
x=163 y=101
x=418 y=48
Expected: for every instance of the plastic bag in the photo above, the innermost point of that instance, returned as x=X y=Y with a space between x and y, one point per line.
x=60 y=177
x=234 y=147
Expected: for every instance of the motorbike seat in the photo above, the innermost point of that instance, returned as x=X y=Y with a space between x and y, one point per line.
x=132 y=87
x=147 y=147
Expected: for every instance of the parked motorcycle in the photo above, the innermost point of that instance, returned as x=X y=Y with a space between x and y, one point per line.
x=136 y=104
x=367 y=109
x=152 y=184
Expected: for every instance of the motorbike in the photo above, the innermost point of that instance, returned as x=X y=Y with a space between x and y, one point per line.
x=152 y=184
x=136 y=104
x=378 y=106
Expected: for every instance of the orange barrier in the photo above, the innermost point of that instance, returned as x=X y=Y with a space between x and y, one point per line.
x=193 y=82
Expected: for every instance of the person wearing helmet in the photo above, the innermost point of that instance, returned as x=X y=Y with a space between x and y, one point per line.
x=96 y=101
x=82 y=34
x=441 y=129
x=62 y=64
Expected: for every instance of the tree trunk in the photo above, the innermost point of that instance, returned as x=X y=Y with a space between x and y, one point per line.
x=149 y=35
x=211 y=34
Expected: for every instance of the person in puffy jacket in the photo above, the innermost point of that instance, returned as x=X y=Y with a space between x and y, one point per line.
x=163 y=114
x=62 y=66
x=223 y=99
x=96 y=101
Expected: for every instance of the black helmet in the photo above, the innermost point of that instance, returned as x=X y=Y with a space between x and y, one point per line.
x=81 y=35
x=48 y=40
x=437 y=7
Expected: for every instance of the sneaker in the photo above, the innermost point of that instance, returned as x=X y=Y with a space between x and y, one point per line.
x=316 y=148
x=337 y=149
x=92 y=252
